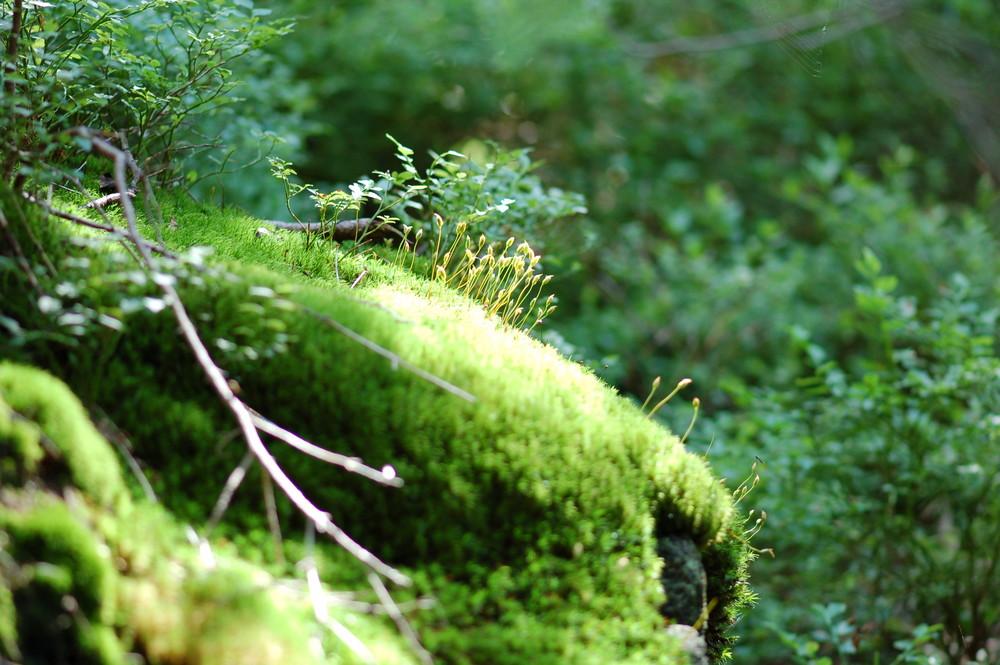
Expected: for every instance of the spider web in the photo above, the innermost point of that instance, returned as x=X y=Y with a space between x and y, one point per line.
x=801 y=32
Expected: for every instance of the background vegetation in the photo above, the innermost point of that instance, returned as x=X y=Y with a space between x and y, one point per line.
x=805 y=225
x=804 y=221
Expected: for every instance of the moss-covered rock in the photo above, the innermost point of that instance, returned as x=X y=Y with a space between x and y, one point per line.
x=88 y=579
x=41 y=413
x=532 y=512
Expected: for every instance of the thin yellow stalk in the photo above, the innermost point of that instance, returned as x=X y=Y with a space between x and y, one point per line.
x=656 y=386
x=683 y=383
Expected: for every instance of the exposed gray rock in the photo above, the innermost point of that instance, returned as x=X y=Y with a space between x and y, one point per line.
x=692 y=643
x=683 y=579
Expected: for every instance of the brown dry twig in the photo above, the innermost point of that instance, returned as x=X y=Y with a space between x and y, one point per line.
x=853 y=18
x=364 y=228
x=320 y=519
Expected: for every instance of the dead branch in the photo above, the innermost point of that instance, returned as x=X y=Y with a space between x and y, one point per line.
x=109 y=198
x=21 y=260
x=216 y=378
x=321 y=607
x=399 y=619
x=364 y=228
x=846 y=21
x=233 y=483
x=393 y=358
x=352 y=464
x=110 y=228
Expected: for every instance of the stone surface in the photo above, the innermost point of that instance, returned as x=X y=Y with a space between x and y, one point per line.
x=683 y=579
x=693 y=643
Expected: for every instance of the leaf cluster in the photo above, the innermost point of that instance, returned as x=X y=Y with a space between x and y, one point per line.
x=890 y=463
x=144 y=73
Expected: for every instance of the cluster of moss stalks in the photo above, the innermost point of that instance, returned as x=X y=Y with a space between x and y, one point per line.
x=531 y=514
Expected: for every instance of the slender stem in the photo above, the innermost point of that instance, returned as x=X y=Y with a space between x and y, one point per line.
x=12 y=44
x=219 y=383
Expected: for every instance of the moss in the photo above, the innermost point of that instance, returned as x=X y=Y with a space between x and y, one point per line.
x=8 y=611
x=20 y=447
x=62 y=600
x=533 y=511
x=63 y=591
x=214 y=616
x=726 y=564
x=86 y=459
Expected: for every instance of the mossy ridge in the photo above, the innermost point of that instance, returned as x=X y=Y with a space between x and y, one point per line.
x=352 y=422
x=90 y=581
x=481 y=357
x=449 y=323
x=33 y=395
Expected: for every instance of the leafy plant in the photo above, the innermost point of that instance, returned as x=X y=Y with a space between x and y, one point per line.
x=142 y=73
x=836 y=634
x=890 y=464
x=462 y=199
x=715 y=300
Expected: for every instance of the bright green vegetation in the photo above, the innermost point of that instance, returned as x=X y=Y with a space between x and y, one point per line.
x=91 y=575
x=804 y=225
x=737 y=199
x=532 y=513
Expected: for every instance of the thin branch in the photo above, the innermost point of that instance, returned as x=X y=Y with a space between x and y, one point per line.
x=404 y=626
x=233 y=483
x=352 y=464
x=321 y=608
x=22 y=261
x=149 y=202
x=393 y=358
x=853 y=19
x=273 y=524
x=363 y=228
x=348 y=600
x=111 y=432
x=218 y=381
x=115 y=230
x=114 y=197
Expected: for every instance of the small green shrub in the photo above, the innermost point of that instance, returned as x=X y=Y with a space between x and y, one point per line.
x=835 y=637
x=883 y=476
x=715 y=300
x=441 y=210
x=144 y=73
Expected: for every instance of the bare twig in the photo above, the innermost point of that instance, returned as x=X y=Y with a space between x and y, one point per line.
x=851 y=19
x=348 y=601
x=110 y=198
x=404 y=626
x=110 y=228
x=22 y=261
x=149 y=203
x=233 y=483
x=218 y=381
x=273 y=524
x=321 y=605
x=352 y=464
x=111 y=432
x=364 y=228
x=26 y=228
x=393 y=358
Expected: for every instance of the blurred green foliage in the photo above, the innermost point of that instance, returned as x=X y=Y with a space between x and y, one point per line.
x=883 y=475
x=737 y=187
x=154 y=75
x=733 y=185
